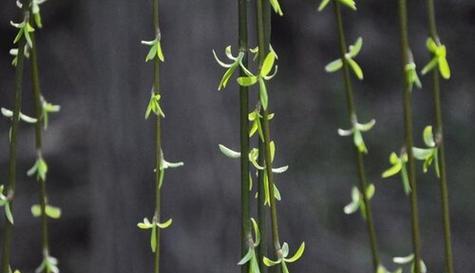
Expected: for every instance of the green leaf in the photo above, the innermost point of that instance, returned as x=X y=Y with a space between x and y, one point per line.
x=431 y=45
x=227 y=75
x=145 y=224
x=334 y=66
x=221 y=63
x=405 y=179
x=152 y=53
x=323 y=5
x=280 y=170
x=297 y=254
x=153 y=239
x=359 y=142
x=247 y=81
x=228 y=152
x=356 y=68
x=277 y=195
x=36 y=210
x=263 y=97
x=165 y=224
x=355 y=49
x=370 y=190
x=53 y=212
x=365 y=127
x=428 y=137
x=272 y=150
x=285 y=249
x=246 y=257
x=422 y=154
x=257 y=233
x=155 y=50
x=268 y=64
x=160 y=55
x=403 y=260
x=8 y=213
x=154 y=106
x=268 y=262
x=349 y=3
x=40 y=168
x=355 y=201
x=396 y=168
x=444 y=68
x=276 y=6
x=429 y=66
x=37 y=18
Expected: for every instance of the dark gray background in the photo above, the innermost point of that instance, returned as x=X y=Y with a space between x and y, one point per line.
x=100 y=148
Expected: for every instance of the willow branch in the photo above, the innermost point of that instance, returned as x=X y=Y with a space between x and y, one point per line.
x=444 y=195
x=358 y=155
x=408 y=128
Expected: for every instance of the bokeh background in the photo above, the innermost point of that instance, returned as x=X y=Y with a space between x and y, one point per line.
x=100 y=148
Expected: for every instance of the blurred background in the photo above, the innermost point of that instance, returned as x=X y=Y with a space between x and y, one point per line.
x=100 y=148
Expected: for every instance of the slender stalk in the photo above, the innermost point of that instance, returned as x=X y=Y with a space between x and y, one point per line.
x=246 y=236
x=408 y=127
x=444 y=196
x=8 y=229
x=158 y=139
x=261 y=209
x=358 y=155
x=264 y=30
x=263 y=50
x=38 y=144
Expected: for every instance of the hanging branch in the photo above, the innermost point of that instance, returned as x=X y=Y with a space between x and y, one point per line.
x=40 y=168
x=439 y=61
x=262 y=117
x=360 y=195
x=263 y=46
x=407 y=61
x=247 y=244
x=23 y=40
x=156 y=56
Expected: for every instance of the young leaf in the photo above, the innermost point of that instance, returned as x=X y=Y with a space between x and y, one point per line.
x=403 y=260
x=228 y=152
x=323 y=5
x=246 y=257
x=263 y=96
x=268 y=262
x=297 y=254
x=276 y=6
x=428 y=137
x=268 y=64
x=334 y=66
x=356 y=68
x=165 y=224
x=247 y=81
x=355 y=49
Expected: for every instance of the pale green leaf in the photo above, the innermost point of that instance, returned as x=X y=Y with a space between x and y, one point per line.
x=356 y=68
x=263 y=96
x=165 y=224
x=323 y=4
x=246 y=257
x=268 y=64
x=268 y=262
x=428 y=137
x=356 y=48
x=247 y=81
x=228 y=152
x=334 y=66
x=403 y=260
x=297 y=254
